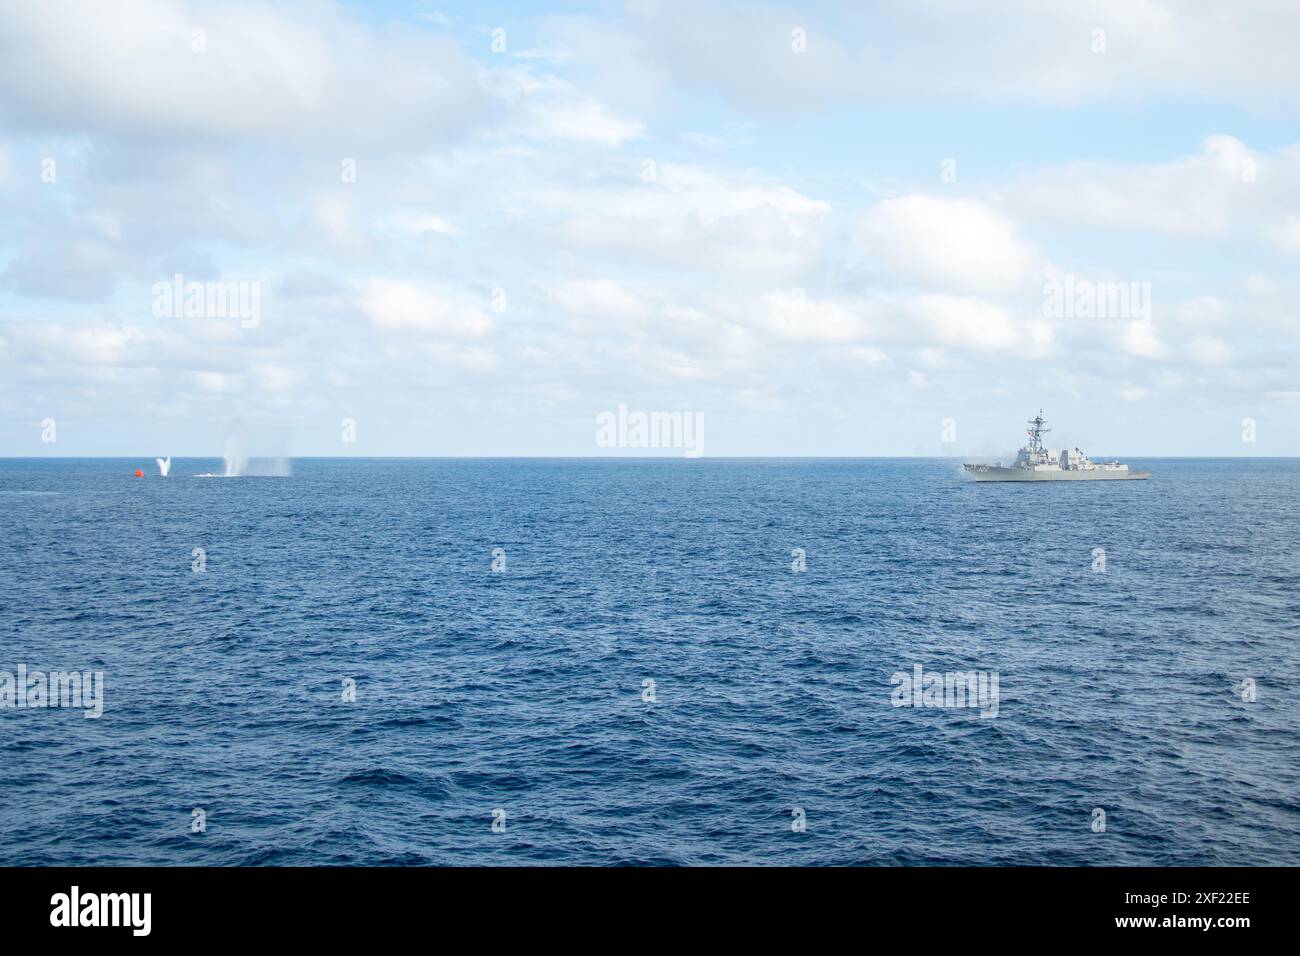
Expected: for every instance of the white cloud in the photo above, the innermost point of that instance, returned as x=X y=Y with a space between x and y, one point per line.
x=598 y=298
x=1208 y=350
x=84 y=344
x=1139 y=339
x=405 y=221
x=1005 y=51
x=1261 y=286
x=954 y=243
x=262 y=74
x=1287 y=235
x=688 y=218
x=962 y=322
x=275 y=378
x=1204 y=195
x=586 y=121
x=215 y=382
x=1202 y=311
x=8 y=170
x=470 y=358
x=868 y=356
x=399 y=305
x=555 y=110
x=793 y=315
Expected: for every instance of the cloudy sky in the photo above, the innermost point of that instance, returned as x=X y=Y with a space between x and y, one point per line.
x=474 y=228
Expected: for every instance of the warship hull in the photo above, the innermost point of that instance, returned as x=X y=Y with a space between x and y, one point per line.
x=996 y=473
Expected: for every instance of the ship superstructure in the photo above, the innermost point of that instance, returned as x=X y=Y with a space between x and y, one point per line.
x=1037 y=462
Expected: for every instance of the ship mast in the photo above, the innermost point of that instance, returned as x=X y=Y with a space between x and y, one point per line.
x=1036 y=433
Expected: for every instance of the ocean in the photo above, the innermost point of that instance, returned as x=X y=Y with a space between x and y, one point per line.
x=530 y=661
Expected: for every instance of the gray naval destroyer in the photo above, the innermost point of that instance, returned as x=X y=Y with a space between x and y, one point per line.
x=1038 y=463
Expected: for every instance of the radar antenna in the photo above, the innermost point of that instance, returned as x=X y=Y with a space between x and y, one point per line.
x=1036 y=432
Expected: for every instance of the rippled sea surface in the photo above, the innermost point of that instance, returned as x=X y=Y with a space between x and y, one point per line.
x=524 y=690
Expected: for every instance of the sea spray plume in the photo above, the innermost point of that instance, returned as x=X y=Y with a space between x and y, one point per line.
x=236 y=458
x=164 y=465
x=239 y=463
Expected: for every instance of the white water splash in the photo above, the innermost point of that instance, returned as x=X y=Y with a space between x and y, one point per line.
x=236 y=459
x=239 y=464
x=164 y=465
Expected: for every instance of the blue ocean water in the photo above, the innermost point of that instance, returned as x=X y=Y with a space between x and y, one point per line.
x=523 y=690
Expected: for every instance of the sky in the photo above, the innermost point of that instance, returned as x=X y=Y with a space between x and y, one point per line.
x=820 y=229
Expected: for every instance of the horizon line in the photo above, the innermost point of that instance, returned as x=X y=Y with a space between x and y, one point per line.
x=953 y=458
